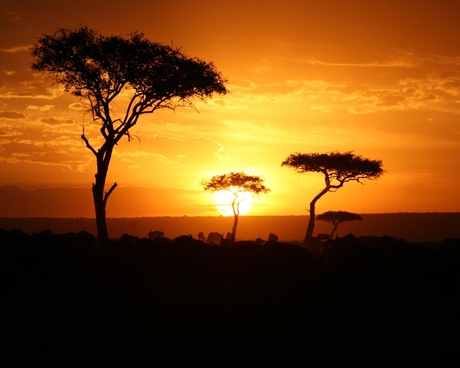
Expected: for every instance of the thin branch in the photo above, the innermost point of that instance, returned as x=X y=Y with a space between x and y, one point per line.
x=87 y=143
x=130 y=106
x=107 y=194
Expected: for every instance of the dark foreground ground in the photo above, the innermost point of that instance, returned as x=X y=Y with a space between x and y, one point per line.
x=368 y=301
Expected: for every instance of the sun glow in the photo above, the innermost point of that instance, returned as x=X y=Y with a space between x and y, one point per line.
x=224 y=199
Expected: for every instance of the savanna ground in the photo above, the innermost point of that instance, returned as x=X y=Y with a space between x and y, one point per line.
x=368 y=300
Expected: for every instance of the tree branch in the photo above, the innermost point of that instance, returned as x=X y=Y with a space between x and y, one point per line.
x=107 y=194
x=87 y=143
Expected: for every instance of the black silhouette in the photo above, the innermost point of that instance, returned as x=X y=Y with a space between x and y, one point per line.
x=156 y=234
x=272 y=237
x=98 y=68
x=336 y=218
x=182 y=301
x=214 y=238
x=337 y=168
x=236 y=183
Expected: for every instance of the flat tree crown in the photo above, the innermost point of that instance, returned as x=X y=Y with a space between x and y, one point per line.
x=338 y=216
x=340 y=166
x=235 y=181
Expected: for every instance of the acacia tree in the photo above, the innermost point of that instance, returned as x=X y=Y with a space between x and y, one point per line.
x=337 y=217
x=337 y=168
x=237 y=183
x=132 y=72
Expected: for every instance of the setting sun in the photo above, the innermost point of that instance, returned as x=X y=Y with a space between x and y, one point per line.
x=382 y=80
x=224 y=198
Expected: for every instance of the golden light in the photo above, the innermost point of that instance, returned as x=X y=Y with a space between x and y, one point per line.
x=224 y=199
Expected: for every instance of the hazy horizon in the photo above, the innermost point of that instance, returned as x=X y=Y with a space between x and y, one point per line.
x=74 y=202
x=413 y=227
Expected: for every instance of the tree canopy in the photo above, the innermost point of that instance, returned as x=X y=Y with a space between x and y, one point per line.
x=236 y=183
x=128 y=72
x=338 y=168
x=337 y=217
x=99 y=68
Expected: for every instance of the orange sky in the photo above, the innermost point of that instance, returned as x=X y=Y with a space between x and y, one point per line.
x=380 y=78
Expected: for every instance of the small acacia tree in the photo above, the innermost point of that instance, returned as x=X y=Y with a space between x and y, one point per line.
x=337 y=217
x=337 y=168
x=235 y=183
x=131 y=73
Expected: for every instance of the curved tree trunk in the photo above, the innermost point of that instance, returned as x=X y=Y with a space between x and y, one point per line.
x=235 y=224
x=336 y=225
x=236 y=214
x=311 y=222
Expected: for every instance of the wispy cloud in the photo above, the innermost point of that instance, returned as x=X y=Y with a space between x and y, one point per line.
x=11 y=115
x=15 y=49
x=57 y=121
x=29 y=95
x=389 y=63
x=322 y=108
x=40 y=108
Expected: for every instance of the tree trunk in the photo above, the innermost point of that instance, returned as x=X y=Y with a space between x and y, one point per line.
x=235 y=224
x=236 y=214
x=99 y=207
x=336 y=225
x=311 y=222
x=103 y=156
x=99 y=196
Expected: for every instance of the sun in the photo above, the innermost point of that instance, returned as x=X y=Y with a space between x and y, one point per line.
x=224 y=199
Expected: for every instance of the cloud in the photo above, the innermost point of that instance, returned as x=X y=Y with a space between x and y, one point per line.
x=219 y=102
x=321 y=108
x=11 y=115
x=220 y=153
x=154 y=157
x=35 y=160
x=78 y=106
x=40 y=108
x=15 y=49
x=352 y=96
x=262 y=67
x=404 y=80
x=397 y=62
x=33 y=144
x=26 y=94
x=175 y=152
x=54 y=121
x=14 y=16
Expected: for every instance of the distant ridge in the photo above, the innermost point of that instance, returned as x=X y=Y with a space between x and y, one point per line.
x=412 y=226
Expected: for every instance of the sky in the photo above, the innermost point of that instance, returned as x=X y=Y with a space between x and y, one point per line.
x=379 y=78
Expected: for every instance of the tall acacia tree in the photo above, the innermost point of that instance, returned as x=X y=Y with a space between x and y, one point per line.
x=337 y=168
x=237 y=183
x=132 y=72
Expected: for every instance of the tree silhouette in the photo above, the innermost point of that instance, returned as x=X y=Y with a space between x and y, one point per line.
x=130 y=72
x=236 y=183
x=337 y=217
x=337 y=168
